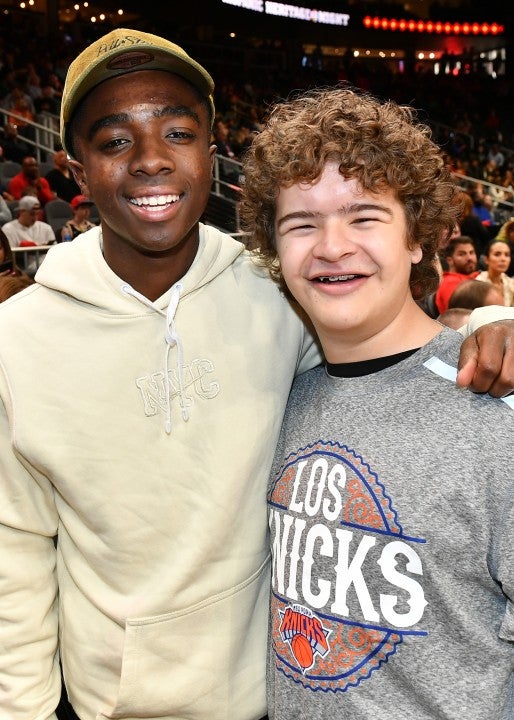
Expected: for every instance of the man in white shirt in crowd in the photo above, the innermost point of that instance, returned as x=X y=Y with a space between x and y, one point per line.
x=27 y=230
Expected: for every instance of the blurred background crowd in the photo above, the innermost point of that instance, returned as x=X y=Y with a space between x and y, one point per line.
x=464 y=91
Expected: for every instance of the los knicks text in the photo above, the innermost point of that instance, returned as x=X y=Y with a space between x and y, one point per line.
x=302 y=549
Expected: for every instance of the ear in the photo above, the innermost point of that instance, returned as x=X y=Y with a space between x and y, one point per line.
x=212 y=154
x=80 y=176
x=416 y=255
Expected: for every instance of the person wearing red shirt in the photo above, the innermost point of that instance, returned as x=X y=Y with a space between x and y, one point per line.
x=30 y=177
x=462 y=262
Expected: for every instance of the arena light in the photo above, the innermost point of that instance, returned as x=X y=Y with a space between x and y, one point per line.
x=420 y=26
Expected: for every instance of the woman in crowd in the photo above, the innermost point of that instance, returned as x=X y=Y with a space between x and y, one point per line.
x=506 y=233
x=497 y=258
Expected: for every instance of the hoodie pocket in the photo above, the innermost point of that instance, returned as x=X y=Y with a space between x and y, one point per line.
x=207 y=661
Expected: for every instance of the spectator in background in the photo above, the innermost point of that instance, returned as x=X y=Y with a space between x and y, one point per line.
x=26 y=230
x=5 y=213
x=30 y=177
x=506 y=233
x=497 y=260
x=221 y=140
x=22 y=117
x=228 y=163
x=8 y=265
x=61 y=178
x=11 y=100
x=481 y=207
x=470 y=223
x=496 y=156
x=471 y=294
x=454 y=318
x=461 y=261
x=13 y=284
x=81 y=206
x=243 y=138
x=14 y=148
x=47 y=102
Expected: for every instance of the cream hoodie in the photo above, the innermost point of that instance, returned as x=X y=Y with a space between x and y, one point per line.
x=141 y=434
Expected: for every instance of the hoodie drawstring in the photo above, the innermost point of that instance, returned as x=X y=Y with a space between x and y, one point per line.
x=172 y=338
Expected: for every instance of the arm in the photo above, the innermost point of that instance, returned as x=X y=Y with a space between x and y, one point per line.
x=46 y=193
x=15 y=188
x=29 y=668
x=486 y=362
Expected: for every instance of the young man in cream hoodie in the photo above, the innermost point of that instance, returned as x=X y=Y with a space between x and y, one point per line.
x=140 y=408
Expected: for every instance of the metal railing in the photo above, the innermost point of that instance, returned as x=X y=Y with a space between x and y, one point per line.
x=43 y=135
x=30 y=258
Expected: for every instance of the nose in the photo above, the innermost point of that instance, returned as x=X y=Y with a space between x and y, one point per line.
x=333 y=241
x=151 y=155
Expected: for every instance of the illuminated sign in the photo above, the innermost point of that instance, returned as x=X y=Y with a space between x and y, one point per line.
x=429 y=26
x=291 y=11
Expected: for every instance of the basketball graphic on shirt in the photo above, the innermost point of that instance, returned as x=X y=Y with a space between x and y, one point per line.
x=302 y=651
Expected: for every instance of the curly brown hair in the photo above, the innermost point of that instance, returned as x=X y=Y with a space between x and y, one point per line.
x=379 y=143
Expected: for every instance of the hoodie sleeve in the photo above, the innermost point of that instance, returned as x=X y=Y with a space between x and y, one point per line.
x=29 y=663
x=484 y=315
x=310 y=352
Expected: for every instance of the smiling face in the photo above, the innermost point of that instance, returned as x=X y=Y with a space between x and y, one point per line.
x=344 y=256
x=142 y=143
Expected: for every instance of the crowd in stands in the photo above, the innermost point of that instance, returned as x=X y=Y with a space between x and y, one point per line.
x=470 y=114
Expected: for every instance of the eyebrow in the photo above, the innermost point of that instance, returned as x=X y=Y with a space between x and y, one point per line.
x=176 y=111
x=344 y=210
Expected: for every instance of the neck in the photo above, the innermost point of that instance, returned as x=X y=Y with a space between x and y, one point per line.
x=151 y=274
x=494 y=276
x=409 y=329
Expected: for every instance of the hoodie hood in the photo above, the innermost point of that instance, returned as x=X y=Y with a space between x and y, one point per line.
x=79 y=270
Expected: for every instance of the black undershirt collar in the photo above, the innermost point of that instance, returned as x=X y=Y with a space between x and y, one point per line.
x=366 y=367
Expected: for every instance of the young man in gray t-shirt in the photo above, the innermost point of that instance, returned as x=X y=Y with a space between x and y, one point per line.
x=391 y=497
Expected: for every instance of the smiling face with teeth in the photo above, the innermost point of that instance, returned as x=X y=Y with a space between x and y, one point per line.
x=143 y=146
x=344 y=256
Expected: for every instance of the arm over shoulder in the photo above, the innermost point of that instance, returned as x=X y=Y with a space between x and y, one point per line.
x=484 y=315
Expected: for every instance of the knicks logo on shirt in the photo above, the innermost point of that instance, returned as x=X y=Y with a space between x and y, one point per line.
x=343 y=569
x=305 y=634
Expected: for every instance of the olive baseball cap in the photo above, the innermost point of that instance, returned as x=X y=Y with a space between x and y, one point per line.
x=122 y=51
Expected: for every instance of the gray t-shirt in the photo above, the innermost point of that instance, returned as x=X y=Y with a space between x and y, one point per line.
x=392 y=529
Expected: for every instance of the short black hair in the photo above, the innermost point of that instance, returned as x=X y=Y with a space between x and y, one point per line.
x=459 y=240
